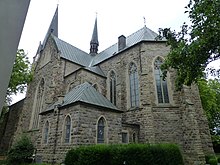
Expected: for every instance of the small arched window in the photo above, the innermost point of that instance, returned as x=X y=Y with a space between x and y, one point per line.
x=161 y=85
x=134 y=85
x=46 y=132
x=101 y=130
x=67 y=129
x=113 y=87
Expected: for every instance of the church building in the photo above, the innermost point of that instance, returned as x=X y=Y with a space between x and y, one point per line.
x=113 y=96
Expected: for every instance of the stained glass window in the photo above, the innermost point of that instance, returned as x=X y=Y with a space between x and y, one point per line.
x=67 y=129
x=134 y=85
x=101 y=131
x=161 y=85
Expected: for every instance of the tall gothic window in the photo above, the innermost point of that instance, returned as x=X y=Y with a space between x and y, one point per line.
x=38 y=102
x=101 y=130
x=113 y=87
x=161 y=85
x=134 y=85
x=67 y=129
x=46 y=132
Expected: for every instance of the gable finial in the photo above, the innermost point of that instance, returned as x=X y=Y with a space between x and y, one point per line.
x=144 y=20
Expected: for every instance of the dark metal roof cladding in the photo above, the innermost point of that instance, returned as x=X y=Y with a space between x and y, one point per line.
x=88 y=94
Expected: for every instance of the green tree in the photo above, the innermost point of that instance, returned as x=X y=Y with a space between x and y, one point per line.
x=21 y=152
x=21 y=75
x=210 y=97
x=196 y=45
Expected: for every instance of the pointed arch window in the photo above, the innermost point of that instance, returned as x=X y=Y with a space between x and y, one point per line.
x=161 y=85
x=134 y=85
x=46 y=132
x=38 y=102
x=101 y=130
x=113 y=87
x=67 y=129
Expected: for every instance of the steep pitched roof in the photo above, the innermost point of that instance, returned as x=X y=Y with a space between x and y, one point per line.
x=72 y=53
x=53 y=28
x=88 y=94
x=144 y=34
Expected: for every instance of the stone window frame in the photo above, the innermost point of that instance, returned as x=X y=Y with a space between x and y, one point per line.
x=168 y=85
x=108 y=84
x=45 y=134
x=134 y=137
x=112 y=91
x=129 y=102
x=64 y=130
x=105 y=130
x=127 y=133
x=37 y=105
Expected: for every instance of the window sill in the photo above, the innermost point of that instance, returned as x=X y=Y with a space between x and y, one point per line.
x=165 y=105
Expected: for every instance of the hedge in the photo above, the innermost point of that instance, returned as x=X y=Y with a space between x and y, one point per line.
x=131 y=154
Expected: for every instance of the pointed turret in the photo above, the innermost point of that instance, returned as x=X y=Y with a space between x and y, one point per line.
x=94 y=43
x=53 y=28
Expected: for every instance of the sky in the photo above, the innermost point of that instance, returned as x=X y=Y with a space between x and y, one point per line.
x=114 y=18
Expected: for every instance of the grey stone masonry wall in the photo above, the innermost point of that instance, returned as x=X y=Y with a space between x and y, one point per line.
x=84 y=120
x=181 y=121
x=52 y=71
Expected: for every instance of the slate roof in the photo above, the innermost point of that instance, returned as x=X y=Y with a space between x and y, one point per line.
x=88 y=94
x=72 y=53
x=82 y=58
x=144 y=34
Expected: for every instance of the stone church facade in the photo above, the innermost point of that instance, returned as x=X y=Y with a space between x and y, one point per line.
x=112 y=97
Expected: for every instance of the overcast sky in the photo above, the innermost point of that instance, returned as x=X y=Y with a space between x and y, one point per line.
x=115 y=17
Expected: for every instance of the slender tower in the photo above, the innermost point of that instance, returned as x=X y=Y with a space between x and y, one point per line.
x=94 y=43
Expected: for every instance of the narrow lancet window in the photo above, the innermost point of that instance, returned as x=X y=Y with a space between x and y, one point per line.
x=134 y=85
x=67 y=129
x=101 y=131
x=161 y=85
x=113 y=87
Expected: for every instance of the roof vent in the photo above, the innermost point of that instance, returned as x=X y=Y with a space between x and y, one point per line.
x=121 y=42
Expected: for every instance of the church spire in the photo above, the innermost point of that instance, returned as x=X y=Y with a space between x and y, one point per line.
x=94 y=43
x=53 y=28
x=54 y=24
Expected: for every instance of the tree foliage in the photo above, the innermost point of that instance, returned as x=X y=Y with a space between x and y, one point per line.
x=196 y=45
x=21 y=152
x=210 y=97
x=21 y=74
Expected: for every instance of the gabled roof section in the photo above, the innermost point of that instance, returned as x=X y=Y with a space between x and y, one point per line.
x=88 y=94
x=71 y=53
x=144 y=34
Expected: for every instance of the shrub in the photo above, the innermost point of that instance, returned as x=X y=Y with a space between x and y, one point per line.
x=218 y=159
x=211 y=159
x=21 y=152
x=132 y=154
